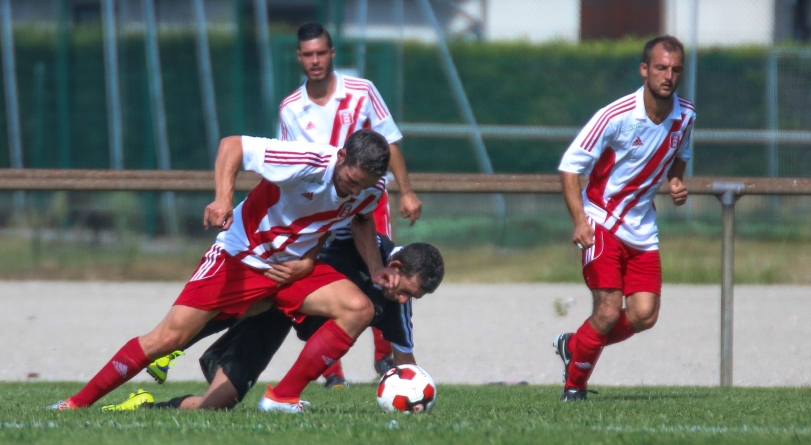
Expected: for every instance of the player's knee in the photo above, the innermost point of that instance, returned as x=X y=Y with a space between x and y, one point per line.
x=642 y=320
x=359 y=308
x=163 y=343
x=606 y=317
x=645 y=323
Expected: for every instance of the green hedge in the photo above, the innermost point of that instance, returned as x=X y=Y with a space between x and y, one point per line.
x=507 y=83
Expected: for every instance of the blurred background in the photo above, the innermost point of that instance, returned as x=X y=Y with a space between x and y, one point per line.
x=475 y=86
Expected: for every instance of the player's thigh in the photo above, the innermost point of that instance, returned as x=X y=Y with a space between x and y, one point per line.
x=336 y=299
x=604 y=262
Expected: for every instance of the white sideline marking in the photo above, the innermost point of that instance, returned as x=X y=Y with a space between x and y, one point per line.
x=687 y=429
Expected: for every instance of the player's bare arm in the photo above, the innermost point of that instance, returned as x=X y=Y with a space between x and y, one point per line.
x=219 y=213
x=572 y=193
x=365 y=236
x=678 y=191
x=289 y=271
x=410 y=205
x=402 y=358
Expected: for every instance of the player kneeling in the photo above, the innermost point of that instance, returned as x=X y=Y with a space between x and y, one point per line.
x=234 y=362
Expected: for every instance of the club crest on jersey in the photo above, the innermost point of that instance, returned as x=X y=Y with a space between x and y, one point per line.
x=313 y=180
x=675 y=139
x=346 y=117
x=308 y=195
x=344 y=210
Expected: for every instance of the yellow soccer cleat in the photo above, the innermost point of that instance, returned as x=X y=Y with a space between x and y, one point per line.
x=160 y=367
x=135 y=400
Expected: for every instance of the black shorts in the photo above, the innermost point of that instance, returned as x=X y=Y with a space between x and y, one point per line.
x=247 y=348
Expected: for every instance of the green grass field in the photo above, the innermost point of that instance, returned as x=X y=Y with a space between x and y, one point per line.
x=463 y=415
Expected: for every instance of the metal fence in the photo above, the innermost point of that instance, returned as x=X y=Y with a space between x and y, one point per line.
x=727 y=190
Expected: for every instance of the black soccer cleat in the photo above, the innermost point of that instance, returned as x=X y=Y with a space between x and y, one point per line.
x=574 y=395
x=381 y=366
x=561 y=345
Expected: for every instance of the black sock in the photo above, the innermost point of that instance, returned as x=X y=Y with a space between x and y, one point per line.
x=174 y=403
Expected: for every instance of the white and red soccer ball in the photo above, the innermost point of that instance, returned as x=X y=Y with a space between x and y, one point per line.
x=407 y=389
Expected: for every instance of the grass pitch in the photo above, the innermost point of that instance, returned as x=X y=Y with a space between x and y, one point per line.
x=463 y=415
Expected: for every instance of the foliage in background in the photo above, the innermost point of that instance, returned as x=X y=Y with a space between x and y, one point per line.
x=554 y=84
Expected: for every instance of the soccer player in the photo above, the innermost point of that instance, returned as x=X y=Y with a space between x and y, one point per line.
x=307 y=190
x=626 y=150
x=235 y=361
x=326 y=109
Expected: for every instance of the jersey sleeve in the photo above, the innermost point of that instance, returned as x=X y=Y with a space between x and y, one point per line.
x=380 y=119
x=684 y=146
x=376 y=191
x=287 y=130
x=588 y=146
x=396 y=326
x=282 y=161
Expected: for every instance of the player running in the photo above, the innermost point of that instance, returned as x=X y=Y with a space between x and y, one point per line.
x=326 y=109
x=627 y=149
x=234 y=362
x=307 y=190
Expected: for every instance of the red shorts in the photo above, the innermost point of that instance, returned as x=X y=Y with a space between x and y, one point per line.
x=225 y=284
x=612 y=264
x=381 y=215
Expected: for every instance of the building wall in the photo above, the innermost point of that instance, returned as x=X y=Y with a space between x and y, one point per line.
x=532 y=20
x=722 y=22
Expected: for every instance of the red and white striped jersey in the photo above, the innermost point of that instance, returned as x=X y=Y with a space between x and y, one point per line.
x=355 y=104
x=626 y=158
x=293 y=206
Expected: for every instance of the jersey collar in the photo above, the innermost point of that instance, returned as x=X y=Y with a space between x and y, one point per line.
x=639 y=108
x=339 y=94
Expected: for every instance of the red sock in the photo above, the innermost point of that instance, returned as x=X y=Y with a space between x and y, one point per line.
x=124 y=365
x=336 y=369
x=382 y=346
x=328 y=344
x=621 y=331
x=585 y=351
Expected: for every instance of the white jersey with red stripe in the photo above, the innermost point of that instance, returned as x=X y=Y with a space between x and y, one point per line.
x=626 y=158
x=355 y=104
x=293 y=206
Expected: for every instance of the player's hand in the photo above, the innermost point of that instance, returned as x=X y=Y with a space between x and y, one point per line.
x=290 y=271
x=583 y=235
x=218 y=214
x=386 y=277
x=410 y=207
x=678 y=191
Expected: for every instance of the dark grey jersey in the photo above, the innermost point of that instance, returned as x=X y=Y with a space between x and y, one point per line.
x=393 y=319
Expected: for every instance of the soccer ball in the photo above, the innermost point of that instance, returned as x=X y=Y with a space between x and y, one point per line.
x=407 y=389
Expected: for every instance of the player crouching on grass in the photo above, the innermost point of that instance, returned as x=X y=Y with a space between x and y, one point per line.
x=234 y=362
x=627 y=149
x=306 y=191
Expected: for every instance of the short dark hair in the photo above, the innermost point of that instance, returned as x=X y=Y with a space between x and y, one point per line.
x=424 y=260
x=368 y=150
x=313 y=31
x=670 y=44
